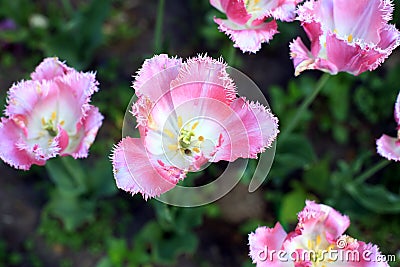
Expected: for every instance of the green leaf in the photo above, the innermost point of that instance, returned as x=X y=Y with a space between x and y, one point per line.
x=72 y=211
x=376 y=198
x=292 y=203
x=316 y=177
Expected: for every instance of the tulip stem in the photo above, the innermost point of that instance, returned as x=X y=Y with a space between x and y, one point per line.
x=159 y=27
x=371 y=171
x=304 y=106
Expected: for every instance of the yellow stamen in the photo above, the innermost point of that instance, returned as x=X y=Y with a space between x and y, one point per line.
x=150 y=123
x=169 y=133
x=310 y=244
x=335 y=31
x=43 y=121
x=201 y=138
x=172 y=147
x=196 y=149
x=179 y=122
x=195 y=125
x=53 y=116
x=318 y=240
x=350 y=38
x=62 y=123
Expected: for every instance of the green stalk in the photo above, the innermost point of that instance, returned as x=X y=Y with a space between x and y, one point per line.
x=159 y=26
x=371 y=171
x=304 y=106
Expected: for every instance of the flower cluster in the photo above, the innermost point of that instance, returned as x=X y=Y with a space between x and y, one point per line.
x=247 y=20
x=318 y=240
x=49 y=115
x=188 y=114
x=344 y=37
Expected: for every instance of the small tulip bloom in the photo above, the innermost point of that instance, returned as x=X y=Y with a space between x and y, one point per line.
x=318 y=240
x=246 y=22
x=49 y=115
x=344 y=37
x=389 y=147
x=188 y=114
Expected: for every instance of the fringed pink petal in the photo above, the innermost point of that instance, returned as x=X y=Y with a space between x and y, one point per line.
x=317 y=216
x=206 y=70
x=10 y=152
x=301 y=56
x=284 y=10
x=250 y=130
x=235 y=10
x=263 y=241
x=86 y=134
x=369 y=256
x=135 y=171
x=156 y=66
x=24 y=96
x=388 y=147
x=248 y=39
x=49 y=69
x=352 y=58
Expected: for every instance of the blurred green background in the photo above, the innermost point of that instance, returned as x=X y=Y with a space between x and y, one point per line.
x=49 y=219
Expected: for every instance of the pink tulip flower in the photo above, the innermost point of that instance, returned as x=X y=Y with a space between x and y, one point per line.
x=49 y=115
x=344 y=37
x=317 y=241
x=246 y=23
x=188 y=114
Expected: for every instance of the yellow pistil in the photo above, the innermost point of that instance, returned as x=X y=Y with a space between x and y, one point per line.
x=196 y=149
x=201 y=138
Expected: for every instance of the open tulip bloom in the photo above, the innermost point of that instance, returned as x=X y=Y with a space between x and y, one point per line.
x=317 y=241
x=247 y=24
x=389 y=147
x=188 y=114
x=49 y=115
x=346 y=36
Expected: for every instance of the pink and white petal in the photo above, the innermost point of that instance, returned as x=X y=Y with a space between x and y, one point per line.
x=218 y=5
x=206 y=70
x=284 y=10
x=369 y=256
x=49 y=69
x=263 y=241
x=321 y=218
x=397 y=109
x=79 y=144
x=156 y=65
x=135 y=171
x=352 y=58
x=23 y=97
x=251 y=129
x=363 y=19
x=388 y=147
x=301 y=56
x=11 y=135
x=314 y=32
x=389 y=38
x=235 y=10
x=248 y=39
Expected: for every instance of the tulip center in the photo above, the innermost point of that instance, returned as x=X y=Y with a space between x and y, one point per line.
x=187 y=143
x=252 y=5
x=50 y=125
